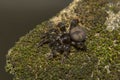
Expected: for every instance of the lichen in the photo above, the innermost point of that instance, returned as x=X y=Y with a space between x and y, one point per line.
x=101 y=61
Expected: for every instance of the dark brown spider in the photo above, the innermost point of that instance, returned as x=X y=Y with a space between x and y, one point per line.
x=60 y=41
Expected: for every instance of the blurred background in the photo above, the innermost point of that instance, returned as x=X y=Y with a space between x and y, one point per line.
x=18 y=17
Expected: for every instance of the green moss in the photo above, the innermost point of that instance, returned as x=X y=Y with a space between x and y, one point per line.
x=101 y=60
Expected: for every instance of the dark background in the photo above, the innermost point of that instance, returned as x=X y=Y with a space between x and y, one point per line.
x=18 y=17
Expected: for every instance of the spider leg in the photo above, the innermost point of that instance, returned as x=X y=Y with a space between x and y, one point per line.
x=74 y=44
x=43 y=42
x=43 y=35
x=47 y=38
x=53 y=45
x=66 y=50
x=79 y=46
x=83 y=47
x=52 y=54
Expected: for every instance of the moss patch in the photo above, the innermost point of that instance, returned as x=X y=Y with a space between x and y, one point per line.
x=101 y=61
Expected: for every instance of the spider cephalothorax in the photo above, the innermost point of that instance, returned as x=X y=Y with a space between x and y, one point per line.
x=60 y=40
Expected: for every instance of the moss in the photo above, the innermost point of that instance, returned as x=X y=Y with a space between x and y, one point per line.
x=101 y=60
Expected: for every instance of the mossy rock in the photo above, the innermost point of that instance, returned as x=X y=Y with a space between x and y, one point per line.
x=101 y=61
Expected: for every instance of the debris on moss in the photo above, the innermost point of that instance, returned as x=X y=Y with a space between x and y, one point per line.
x=101 y=61
x=113 y=21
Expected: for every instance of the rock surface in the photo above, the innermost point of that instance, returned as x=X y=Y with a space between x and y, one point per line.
x=101 y=61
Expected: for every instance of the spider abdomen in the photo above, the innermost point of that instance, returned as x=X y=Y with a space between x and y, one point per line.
x=77 y=34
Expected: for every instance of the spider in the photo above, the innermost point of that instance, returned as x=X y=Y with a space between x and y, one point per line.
x=60 y=41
